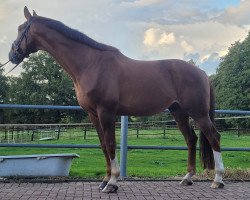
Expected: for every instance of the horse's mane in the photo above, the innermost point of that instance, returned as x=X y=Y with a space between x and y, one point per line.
x=77 y=35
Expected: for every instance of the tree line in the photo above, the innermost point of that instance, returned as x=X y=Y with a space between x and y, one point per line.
x=43 y=82
x=232 y=80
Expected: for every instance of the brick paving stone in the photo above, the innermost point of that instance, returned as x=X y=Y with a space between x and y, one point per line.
x=139 y=190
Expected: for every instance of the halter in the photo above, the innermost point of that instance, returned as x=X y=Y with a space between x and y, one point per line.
x=18 y=52
x=16 y=46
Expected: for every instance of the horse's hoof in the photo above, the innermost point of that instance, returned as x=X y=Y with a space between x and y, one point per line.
x=186 y=182
x=216 y=185
x=110 y=188
x=103 y=185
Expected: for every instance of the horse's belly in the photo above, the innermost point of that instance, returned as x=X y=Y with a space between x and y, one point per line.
x=142 y=107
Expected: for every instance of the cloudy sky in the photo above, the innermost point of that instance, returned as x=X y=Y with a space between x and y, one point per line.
x=142 y=29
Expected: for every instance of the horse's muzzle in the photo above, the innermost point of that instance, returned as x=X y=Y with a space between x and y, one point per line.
x=16 y=56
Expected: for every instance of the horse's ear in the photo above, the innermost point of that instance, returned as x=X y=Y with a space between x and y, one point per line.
x=34 y=13
x=27 y=13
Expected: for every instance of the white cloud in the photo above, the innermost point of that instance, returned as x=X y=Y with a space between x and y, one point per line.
x=204 y=58
x=187 y=47
x=167 y=38
x=204 y=42
x=222 y=53
x=155 y=37
x=150 y=37
x=239 y=15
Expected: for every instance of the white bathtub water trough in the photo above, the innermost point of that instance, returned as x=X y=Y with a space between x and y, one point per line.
x=41 y=165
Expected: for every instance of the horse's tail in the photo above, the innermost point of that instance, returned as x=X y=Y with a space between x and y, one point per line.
x=206 y=152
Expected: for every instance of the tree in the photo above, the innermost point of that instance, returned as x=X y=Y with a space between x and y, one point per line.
x=232 y=78
x=3 y=92
x=44 y=82
x=191 y=61
x=3 y=86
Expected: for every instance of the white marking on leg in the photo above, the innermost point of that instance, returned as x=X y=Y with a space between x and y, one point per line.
x=115 y=171
x=219 y=167
x=188 y=176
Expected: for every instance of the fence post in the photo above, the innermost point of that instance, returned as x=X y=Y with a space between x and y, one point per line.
x=238 y=130
x=5 y=133
x=12 y=133
x=164 y=131
x=124 y=146
x=85 y=132
x=32 y=135
x=137 y=130
x=58 y=132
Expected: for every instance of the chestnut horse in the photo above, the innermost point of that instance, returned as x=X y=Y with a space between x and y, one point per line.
x=107 y=84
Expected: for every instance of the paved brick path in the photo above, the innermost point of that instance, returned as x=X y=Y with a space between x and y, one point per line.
x=141 y=190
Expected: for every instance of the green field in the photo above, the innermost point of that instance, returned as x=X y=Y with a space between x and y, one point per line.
x=141 y=163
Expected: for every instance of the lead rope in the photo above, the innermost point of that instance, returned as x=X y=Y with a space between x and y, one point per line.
x=18 y=45
x=11 y=69
x=4 y=64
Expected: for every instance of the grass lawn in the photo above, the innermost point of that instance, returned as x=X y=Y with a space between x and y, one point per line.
x=141 y=163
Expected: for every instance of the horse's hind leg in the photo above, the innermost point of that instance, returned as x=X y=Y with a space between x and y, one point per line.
x=182 y=120
x=213 y=137
x=93 y=118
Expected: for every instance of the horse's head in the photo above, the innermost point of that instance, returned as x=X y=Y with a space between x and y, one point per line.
x=24 y=44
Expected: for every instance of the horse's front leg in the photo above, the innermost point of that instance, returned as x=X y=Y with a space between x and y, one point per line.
x=107 y=121
x=95 y=121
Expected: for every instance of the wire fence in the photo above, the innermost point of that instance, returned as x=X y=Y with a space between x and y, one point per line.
x=25 y=133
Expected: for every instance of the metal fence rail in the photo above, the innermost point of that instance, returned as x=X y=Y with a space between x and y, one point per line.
x=21 y=106
x=96 y=146
x=51 y=107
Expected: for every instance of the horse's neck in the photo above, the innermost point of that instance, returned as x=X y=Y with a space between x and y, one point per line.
x=72 y=56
